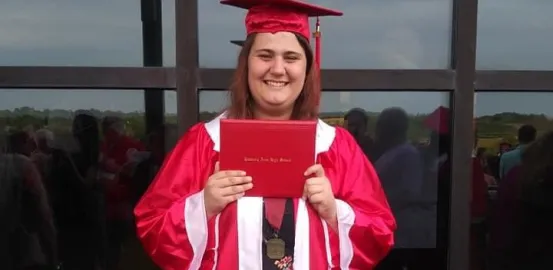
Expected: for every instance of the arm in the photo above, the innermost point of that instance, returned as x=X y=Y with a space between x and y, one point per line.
x=365 y=222
x=170 y=217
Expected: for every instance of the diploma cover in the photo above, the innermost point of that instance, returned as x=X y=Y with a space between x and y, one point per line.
x=274 y=153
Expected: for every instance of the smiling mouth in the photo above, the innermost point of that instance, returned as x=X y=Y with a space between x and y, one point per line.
x=276 y=84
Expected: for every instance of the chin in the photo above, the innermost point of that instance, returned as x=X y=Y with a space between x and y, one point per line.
x=276 y=101
x=276 y=105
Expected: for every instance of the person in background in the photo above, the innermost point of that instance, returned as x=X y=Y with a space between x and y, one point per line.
x=526 y=135
x=117 y=164
x=27 y=230
x=357 y=121
x=521 y=228
x=41 y=156
x=21 y=142
x=504 y=147
x=401 y=172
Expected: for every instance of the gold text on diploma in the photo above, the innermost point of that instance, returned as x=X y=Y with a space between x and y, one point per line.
x=268 y=159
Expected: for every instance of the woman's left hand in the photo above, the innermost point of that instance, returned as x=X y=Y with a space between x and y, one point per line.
x=318 y=191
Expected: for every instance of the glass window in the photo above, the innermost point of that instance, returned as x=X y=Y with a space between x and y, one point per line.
x=511 y=198
x=400 y=34
x=93 y=159
x=171 y=120
x=169 y=43
x=77 y=33
x=514 y=35
x=406 y=136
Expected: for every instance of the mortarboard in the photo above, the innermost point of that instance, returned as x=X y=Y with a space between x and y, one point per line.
x=271 y=16
x=238 y=42
x=438 y=120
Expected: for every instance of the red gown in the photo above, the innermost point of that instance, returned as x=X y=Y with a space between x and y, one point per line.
x=171 y=219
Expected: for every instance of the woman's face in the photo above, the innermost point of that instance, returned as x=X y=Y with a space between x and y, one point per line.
x=276 y=72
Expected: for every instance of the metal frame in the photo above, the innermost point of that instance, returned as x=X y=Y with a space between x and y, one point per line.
x=187 y=77
x=351 y=80
x=87 y=77
x=463 y=61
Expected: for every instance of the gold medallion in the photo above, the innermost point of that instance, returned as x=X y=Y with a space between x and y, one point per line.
x=276 y=249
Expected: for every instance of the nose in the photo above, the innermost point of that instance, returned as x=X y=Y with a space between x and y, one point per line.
x=278 y=67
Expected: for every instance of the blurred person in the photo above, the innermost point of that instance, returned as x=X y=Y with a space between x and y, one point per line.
x=148 y=167
x=78 y=198
x=21 y=142
x=438 y=163
x=400 y=169
x=521 y=234
x=44 y=140
x=117 y=161
x=526 y=135
x=504 y=147
x=357 y=121
x=27 y=226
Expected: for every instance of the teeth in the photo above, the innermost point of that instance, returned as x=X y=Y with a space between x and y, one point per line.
x=275 y=84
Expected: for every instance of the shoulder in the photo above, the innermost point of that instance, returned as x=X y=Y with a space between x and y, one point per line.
x=335 y=139
x=508 y=155
x=409 y=150
x=196 y=137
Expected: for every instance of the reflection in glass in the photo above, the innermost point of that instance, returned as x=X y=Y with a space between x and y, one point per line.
x=87 y=159
x=406 y=135
x=80 y=33
x=514 y=148
x=511 y=35
x=401 y=34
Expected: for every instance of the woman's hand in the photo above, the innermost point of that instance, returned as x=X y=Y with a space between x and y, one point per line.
x=319 y=193
x=224 y=187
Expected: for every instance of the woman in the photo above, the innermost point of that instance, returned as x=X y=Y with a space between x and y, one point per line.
x=194 y=216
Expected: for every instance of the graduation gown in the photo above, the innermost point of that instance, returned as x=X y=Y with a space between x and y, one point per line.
x=172 y=225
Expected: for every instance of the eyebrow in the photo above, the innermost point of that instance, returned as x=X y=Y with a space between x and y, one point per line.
x=273 y=52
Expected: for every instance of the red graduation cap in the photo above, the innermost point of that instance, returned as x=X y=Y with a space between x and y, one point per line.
x=438 y=120
x=271 y=16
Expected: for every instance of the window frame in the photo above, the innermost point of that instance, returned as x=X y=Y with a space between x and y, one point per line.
x=187 y=77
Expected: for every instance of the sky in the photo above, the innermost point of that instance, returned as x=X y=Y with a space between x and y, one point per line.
x=395 y=34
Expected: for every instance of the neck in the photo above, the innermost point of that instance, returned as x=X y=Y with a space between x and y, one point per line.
x=263 y=115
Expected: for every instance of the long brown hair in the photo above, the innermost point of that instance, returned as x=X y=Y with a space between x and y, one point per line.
x=306 y=106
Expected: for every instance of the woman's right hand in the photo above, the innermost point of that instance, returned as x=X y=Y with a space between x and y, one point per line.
x=224 y=187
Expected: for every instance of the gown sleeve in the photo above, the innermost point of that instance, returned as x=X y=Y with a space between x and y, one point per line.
x=170 y=217
x=366 y=224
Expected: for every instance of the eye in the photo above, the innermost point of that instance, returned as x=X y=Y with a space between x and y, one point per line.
x=292 y=57
x=264 y=56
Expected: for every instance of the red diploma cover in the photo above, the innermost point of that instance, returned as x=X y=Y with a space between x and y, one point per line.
x=274 y=153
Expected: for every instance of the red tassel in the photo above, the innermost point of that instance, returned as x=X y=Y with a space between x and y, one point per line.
x=317 y=35
x=318 y=43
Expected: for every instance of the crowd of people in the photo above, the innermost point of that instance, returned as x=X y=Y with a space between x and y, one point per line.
x=515 y=233
x=69 y=205
x=73 y=207
x=510 y=196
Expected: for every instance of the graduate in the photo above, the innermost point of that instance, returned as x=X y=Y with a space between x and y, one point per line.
x=195 y=216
